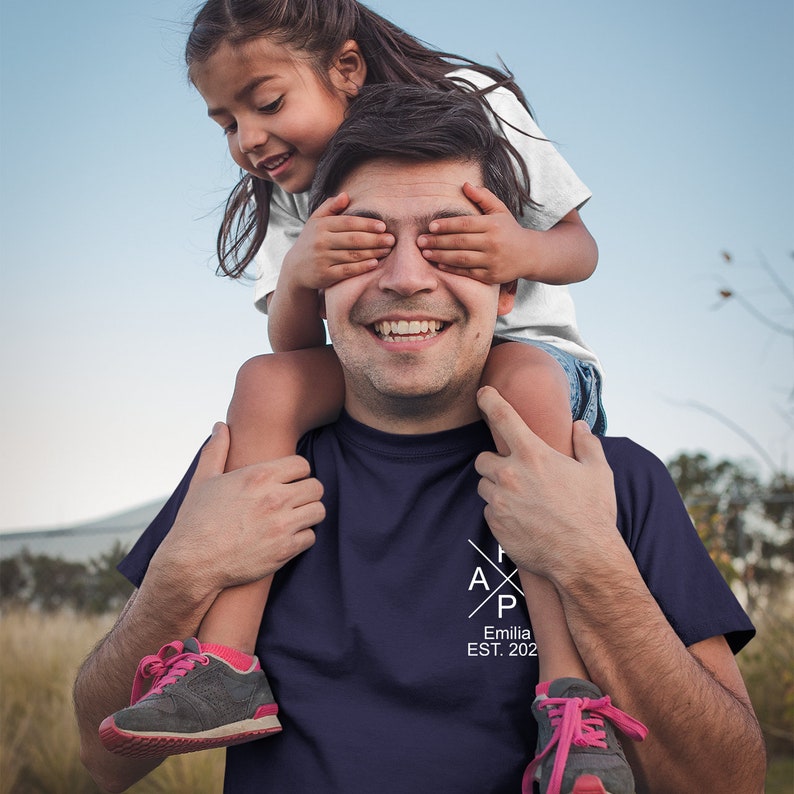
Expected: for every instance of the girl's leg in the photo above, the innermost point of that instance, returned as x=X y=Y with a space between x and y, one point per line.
x=277 y=398
x=536 y=386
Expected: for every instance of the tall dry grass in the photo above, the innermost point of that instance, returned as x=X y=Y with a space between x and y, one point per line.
x=39 y=744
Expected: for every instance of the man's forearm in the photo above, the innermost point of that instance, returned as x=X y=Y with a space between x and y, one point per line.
x=103 y=684
x=556 y=516
x=703 y=735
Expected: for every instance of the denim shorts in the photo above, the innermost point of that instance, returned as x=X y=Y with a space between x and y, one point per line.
x=583 y=378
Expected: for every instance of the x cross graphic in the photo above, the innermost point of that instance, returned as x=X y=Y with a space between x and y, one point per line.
x=507 y=579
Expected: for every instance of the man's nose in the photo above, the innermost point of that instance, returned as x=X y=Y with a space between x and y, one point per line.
x=405 y=271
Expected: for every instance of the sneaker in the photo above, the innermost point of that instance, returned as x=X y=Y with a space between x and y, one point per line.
x=578 y=752
x=196 y=701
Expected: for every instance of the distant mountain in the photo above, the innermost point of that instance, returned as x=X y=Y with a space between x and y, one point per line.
x=82 y=542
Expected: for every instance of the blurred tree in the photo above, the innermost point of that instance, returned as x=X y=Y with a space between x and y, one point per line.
x=108 y=590
x=12 y=580
x=54 y=582
x=746 y=524
x=51 y=583
x=748 y=527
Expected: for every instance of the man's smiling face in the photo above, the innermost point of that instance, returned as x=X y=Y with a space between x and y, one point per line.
x=412 y=339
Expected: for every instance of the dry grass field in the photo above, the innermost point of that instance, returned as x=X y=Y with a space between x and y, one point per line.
x=38 y=734
x=39 y=746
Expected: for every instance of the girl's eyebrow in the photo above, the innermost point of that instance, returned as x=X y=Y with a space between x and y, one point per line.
x=247 y=89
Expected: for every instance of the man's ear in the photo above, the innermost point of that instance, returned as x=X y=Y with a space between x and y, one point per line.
x=507 y=297
x=349 y=69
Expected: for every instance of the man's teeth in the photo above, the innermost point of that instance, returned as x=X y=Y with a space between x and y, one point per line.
x=407 y=330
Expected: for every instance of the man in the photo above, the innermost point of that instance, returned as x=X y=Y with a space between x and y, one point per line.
x=407 y=660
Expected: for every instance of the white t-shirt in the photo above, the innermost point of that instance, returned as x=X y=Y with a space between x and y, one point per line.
x=542 y=312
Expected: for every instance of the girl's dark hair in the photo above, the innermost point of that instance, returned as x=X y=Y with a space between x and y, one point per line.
x=318 y=28
x=417 y=124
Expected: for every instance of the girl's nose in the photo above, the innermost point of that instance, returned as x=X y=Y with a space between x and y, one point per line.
x=405 y=271
x=251 y=136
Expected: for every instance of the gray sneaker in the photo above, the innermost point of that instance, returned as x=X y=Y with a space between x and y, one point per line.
x=196 y=701
x=578 y=751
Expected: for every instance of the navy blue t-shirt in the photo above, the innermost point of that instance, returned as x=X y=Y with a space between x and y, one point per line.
x=399 y=646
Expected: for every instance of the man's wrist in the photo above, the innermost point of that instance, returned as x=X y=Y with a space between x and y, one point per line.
x=175 y=593
x=605 y=561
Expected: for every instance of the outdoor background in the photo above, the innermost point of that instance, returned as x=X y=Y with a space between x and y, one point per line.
x=119 y=345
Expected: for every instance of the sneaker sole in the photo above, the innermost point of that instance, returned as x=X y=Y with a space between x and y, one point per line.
x=141 y=744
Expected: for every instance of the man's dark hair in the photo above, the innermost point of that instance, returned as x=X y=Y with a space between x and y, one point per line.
x=418 y=124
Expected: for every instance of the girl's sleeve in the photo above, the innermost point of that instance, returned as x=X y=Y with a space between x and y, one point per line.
x=288 y=214
x=554 y=186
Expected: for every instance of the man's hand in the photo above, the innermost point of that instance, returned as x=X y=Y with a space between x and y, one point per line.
x=545 y=509
x=231 y=529
x=333 y=247
x=243 y=525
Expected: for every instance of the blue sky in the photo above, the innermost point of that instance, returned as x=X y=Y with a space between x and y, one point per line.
x=120 y=345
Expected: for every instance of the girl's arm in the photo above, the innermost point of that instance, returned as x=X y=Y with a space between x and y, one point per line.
x=294 y=321
x=564 y=254
x=331 y=247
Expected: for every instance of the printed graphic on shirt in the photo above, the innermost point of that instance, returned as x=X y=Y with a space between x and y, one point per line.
x=497 y=618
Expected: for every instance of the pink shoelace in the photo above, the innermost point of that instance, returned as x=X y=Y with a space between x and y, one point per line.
x=170 y=663
x=570 y=727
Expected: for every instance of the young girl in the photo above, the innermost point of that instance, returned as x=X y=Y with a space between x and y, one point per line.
x=277 y=76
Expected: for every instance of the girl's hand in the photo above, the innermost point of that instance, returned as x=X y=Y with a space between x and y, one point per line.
x=333 y=247
x=491 y=247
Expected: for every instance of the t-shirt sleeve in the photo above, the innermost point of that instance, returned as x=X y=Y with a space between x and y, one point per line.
x=284 y=225
x=687 y=585
x=554 y=187
x=135 y=564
